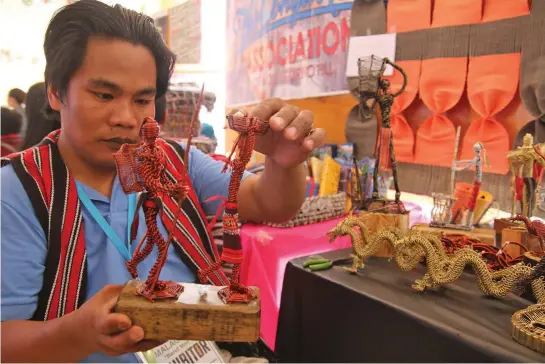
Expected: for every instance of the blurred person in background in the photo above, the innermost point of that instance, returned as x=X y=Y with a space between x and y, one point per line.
x=38 y=125
x=208 y=131
x=11 y=126
x=16 y=100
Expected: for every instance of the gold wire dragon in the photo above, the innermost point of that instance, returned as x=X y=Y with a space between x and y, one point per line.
x=409 y=249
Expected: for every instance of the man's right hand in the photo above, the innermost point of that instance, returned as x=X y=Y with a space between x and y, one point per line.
x=107 y=332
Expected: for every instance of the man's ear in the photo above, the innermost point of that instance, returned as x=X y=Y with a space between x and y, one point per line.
x=53 y=97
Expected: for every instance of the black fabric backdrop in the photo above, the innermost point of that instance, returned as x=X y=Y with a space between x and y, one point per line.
x=376 y=316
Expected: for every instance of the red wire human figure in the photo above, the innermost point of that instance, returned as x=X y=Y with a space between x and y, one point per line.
x=247 y=127
x=141 y=168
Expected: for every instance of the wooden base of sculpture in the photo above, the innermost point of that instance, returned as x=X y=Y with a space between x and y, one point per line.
x=487 y=236
x=198 y=314
x=500 y=225
x=519 y=235
x=375 y=221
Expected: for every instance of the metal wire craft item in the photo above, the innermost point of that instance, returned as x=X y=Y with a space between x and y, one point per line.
x=316 y=209
x=370 y=70
x=377 y=90
x=528 y=327
x=181 y=104
x=441 y=213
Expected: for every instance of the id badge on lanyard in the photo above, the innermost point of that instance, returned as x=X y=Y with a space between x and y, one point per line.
x=178 y=351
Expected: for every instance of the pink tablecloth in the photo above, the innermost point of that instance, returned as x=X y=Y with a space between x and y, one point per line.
x=267 y=250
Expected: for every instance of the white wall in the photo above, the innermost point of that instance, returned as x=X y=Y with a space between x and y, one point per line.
x=211 y=71
x=22 y=31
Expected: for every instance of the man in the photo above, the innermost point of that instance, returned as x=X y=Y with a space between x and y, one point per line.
x=16 y=100
x=11 y=126
x=61 y=273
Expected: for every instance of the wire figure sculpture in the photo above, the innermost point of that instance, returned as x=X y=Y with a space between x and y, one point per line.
x=375 y=90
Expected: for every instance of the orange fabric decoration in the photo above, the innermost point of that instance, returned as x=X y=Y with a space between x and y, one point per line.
x=504 y=9
x=406 y=16
x=492 y=82
x=442 y=83
x=402 y=132
x=456 y=12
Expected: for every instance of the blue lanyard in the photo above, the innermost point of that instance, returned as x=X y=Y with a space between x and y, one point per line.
x=108 y=230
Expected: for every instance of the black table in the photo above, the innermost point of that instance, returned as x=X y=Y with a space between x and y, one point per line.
x=376 y=316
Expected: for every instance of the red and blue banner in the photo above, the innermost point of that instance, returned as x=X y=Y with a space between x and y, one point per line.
x=286 y=48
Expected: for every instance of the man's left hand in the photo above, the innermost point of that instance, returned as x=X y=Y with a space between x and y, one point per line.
x=291 y=136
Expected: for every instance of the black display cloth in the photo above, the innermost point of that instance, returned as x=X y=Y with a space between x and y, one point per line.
x=376 y=316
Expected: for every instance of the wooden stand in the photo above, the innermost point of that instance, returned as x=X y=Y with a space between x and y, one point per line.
x=500 y=225
x=519 y=235
x=487 y=236
x=375 y=221
x=194 y=316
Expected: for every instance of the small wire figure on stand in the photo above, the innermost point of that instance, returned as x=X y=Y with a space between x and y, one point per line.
x=525 y=161
x=446 y=211
x=464 y=165
x=248 y=127
x=377 y=90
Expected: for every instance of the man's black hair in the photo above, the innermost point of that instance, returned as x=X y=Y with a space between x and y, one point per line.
x=11 y=121
x=160 y=109
x=18 y=95
x=69 y=30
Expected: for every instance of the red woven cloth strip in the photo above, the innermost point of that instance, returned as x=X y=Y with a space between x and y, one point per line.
x=385 y=158
x=474 y=195
x=519 y=185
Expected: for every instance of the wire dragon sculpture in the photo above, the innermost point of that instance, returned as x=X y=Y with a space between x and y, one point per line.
x=413 y=247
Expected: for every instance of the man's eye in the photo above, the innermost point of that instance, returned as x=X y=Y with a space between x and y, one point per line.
x=143 y=102
x=103 y=97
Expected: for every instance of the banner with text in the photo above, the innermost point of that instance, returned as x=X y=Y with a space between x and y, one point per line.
x=287 y=49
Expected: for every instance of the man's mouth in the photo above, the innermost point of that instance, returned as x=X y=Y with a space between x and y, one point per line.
x=120 y=141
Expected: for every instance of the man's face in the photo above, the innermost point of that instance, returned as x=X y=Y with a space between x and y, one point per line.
x=107 y=99
x=12 y=102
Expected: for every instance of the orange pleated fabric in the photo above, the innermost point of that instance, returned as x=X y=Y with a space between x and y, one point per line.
x=406 y=16
x=442 y=84
x=492 y=82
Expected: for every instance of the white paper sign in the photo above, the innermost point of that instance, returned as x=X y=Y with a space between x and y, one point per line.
x=380 y=45
x=178 y=351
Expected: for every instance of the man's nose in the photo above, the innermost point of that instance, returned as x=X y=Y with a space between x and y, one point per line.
x=124 y=116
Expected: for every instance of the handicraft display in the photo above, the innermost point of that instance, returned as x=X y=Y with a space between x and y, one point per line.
x=444 y=267
x=213 y=313
x=329 y=182
x=248 y=127
x=413 y=247
x=317 y=209
x=527 y=162
x=375 y=89
x=449 y=209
